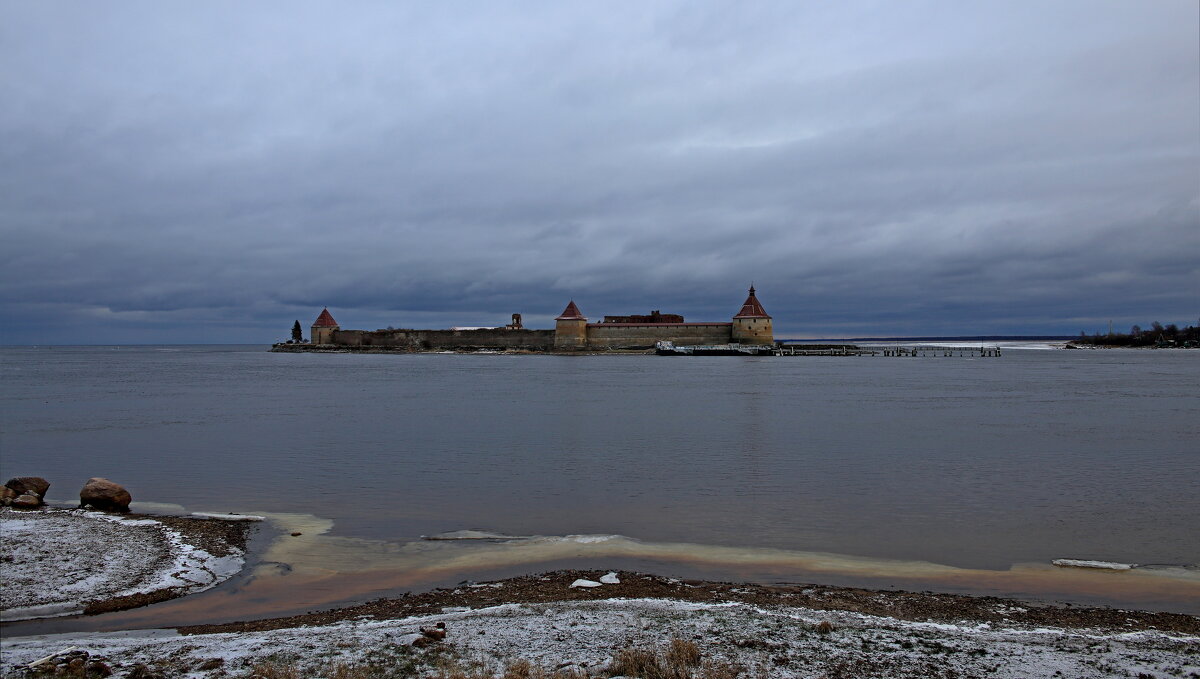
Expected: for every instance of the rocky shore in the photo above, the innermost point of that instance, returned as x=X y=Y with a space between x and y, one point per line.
x=908 y=606
x=640 y=625
x=563 y=624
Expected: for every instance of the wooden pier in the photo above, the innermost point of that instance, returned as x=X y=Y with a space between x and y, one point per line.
x=889 y=351
x=666 y=348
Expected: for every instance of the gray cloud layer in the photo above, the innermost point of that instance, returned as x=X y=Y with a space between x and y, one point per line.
x=209 y=172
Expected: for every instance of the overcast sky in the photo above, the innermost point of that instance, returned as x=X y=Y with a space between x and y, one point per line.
x=210 y=172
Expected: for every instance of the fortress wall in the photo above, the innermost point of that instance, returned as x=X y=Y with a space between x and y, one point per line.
x=345 y=338
x=621 y=335
x=599 y=336
x=535 y=340
x=421 y=340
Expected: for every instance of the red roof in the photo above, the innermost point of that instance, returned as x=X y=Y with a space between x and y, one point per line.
x=325 y=320
x=571 y=313
x=751 y=308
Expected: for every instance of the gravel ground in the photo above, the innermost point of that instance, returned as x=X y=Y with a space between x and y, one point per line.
x=911 y=606
x=750 y=640
x=62 y=561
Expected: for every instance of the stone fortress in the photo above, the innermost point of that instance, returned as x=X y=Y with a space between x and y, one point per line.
x=572 y=332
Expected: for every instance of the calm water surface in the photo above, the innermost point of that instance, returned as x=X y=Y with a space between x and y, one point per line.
x=968 y=462
x=976 y=463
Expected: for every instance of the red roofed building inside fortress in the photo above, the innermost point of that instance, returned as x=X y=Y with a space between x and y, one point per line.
x=572 y=332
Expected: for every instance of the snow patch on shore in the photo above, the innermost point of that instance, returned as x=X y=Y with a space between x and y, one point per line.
x=57 y=562
x=770 y=641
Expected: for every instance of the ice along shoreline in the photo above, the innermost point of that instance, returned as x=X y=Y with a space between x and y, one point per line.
x=59 y=562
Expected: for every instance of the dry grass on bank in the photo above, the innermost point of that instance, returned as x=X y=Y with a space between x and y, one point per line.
x=680 y=659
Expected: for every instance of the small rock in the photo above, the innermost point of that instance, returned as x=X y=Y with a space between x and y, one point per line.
x=24 y=484
x=76 y=665
x=585 y=583
x=419 y=642
x=610 y=579
x=211 y=664
x=297 y=534
x=100 y=493
x=98 y=668
x=27 y=501
x=140 y=671
x=434 y=633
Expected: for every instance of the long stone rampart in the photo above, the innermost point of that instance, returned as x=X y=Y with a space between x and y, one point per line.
x=444 y=340
x=644 y=336
x=600 y=337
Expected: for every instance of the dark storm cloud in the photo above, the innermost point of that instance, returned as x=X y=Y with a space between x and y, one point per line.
x=182 y=172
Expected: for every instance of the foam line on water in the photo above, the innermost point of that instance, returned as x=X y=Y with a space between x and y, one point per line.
x=316 y=568
x=316 y=551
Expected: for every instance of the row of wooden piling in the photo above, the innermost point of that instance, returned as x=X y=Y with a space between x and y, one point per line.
x=910 y=352
x=917 y=352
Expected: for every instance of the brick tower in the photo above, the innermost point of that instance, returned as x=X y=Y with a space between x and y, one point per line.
x=752 y=325
x=323 y=327
x=570 y=329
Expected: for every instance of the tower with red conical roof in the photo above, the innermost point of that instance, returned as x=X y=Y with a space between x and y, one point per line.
x=570 y=329
x=323 y=328
x=752 y=325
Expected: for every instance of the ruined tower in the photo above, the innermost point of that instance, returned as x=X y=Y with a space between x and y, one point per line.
x=323 y=327
x=752 y=325
x=570 y=329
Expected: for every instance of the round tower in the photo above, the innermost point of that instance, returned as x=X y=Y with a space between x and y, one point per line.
x=570 y=329
x=752 y=325
x=323 y=328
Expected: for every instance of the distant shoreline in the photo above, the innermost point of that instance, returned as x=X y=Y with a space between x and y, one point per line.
x=938 y=338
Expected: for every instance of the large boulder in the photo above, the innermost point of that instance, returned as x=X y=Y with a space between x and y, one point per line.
x=27 y=501
x=100 y=493
x=23 y=484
